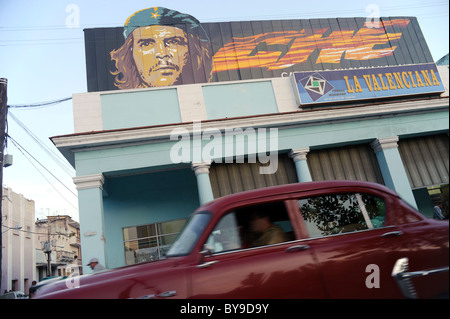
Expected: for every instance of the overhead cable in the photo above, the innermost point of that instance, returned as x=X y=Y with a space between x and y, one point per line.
x=322 y=12
x=41 y=103
x=23 y=151
x=57 y=159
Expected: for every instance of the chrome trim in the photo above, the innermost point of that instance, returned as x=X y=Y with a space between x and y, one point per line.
x=207 y=264
x=257 y=247
x=152 y=296
x=403 y=277
x=299 y=240
x=392 y=234
x=296 y=248
x=351 y=232
x=166 y=294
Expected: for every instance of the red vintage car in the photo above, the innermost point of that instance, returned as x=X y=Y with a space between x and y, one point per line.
x=333 y=239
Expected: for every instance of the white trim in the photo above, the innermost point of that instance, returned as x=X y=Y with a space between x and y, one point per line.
x=299 y=154
x=89 y=181
x=68 y=145
x=384 y=143
x=273 y=120
x=364 y=210
x=201 y=168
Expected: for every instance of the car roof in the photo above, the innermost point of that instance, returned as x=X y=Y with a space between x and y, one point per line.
x=290 y=188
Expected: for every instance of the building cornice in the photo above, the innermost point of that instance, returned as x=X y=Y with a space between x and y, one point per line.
x=384 y=143
x=299 y=154
x=89 y=181
x=69 y=144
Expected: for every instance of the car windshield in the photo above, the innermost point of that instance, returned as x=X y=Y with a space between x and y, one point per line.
x=189 y=235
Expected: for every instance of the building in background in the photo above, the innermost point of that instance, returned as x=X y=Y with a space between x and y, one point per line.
x=288 y=101
x=59 y=237
x=18 y=258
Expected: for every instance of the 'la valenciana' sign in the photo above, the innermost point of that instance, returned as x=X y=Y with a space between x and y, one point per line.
x=358 y=84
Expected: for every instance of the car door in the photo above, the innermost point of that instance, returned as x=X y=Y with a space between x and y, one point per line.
x=234 y=269
x=424 y=243
x=354 y=244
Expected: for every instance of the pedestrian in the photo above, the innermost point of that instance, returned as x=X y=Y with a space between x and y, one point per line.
x=31 y=289
x=95 y=265
x=437 y=212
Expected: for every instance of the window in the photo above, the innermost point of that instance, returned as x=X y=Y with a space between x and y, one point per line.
x=190 y=234
x=150 y=242
x=225 y=236
x=252 y=226
x=341 y=213
x=16 y=227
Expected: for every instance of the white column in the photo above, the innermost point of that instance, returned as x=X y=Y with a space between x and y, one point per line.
x=205 y=192
x=90 y=202
x=299 y=157
x=392 y=169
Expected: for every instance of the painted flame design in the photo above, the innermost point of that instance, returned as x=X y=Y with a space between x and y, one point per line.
x=339 y=44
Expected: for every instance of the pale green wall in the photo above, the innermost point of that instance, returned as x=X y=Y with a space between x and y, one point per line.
x=145 y=199
x=140 y=108
x=91 y=226
x=239 y=99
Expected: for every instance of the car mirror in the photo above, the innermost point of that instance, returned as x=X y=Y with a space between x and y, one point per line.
x=207 y=250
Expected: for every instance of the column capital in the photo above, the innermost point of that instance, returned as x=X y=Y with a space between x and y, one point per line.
x=89 y=181
x=384 y=143
x=201 y=167
x=299 y=154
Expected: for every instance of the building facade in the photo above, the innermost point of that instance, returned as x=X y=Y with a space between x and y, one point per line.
x=18 y=257
x=146 y=157
x=59 y=238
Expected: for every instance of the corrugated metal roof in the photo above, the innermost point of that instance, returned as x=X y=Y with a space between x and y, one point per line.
x=354 y=162
x=426 y=159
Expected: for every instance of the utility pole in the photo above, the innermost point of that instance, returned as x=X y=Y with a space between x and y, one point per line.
x=48 y=249
x=3 y=113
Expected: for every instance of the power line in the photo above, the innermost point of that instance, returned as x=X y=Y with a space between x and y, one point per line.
x=23 y=151
x=62 y=163
x=36 y=40
x=303 y=14
x=290 y=15
x=31 y=232
x=21 y=148
x=25 y=42
x=322 y=13
x=48 y=103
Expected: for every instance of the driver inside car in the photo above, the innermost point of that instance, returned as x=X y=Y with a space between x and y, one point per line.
x=266 y=233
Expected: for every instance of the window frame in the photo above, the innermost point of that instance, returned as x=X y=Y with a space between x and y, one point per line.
x=156 y=237
x=232 y=210
x=302 y=227
x=192 y=220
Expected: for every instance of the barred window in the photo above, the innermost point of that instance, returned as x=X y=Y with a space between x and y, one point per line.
x=150 y=242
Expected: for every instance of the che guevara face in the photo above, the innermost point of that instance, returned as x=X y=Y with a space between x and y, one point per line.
x=160 y=54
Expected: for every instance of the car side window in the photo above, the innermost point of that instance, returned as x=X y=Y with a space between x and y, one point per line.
x=251 y=226
x=342 y=213
x=225 y=235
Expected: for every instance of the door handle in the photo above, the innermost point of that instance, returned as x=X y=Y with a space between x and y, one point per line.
x=152 y=296
x=297 y=248
x=207 y=264
x=166 y=294
x=393 y=234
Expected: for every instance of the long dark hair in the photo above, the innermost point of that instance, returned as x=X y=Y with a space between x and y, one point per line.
x=198 y=69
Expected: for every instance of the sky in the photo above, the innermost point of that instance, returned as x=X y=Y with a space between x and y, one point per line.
x=42 y=56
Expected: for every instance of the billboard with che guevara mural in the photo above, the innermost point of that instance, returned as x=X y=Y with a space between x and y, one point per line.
x=161 y=47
